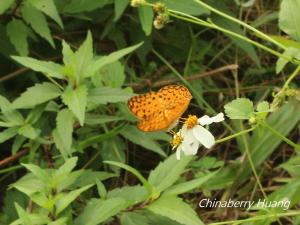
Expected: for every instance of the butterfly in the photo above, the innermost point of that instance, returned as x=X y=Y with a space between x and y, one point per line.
x=160 y=111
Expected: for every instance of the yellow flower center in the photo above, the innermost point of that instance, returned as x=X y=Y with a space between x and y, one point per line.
x=191 y=121
x=177 y=140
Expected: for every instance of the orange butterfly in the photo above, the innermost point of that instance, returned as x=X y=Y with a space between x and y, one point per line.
x=160 y=111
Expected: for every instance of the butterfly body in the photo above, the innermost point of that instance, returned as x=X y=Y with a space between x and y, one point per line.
x=158 y=111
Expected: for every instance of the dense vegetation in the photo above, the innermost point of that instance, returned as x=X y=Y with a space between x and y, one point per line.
x=71 y=152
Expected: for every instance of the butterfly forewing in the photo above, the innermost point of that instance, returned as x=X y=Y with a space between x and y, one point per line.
x=159 y=110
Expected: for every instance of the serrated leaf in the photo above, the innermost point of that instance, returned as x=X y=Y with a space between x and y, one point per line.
x=289 y=18
x=49 y=68
x=68 y=198
x=104 y=95
x=76 y=100
x=48 y=7
x=63 y=172
x=29 y=131
x=120 y=6
x=64 y=126
x=141 y=138
x=17 y=32
x=263 y=106
x=99 y=63
x=84 y=57
x=98 y=211
x=168 y=172
x=146 y=18
x=112 y=75
x=240 y=108
x=24 y=217
x=39 y=173
x=4 y=5
x=37 y=21
x=8 y=134
x=175 y=209
x=37 y=94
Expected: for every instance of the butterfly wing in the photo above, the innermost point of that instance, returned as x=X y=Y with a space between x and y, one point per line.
x=159 y=110
x=177 y=98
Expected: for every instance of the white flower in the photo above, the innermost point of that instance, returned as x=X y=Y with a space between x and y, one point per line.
x=192 y=134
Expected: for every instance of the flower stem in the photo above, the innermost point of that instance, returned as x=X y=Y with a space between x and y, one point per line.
x=282 y=137
x=291 y=77
x=235 y=135
x=257 y=32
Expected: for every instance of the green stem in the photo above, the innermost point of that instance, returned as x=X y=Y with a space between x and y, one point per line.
x=257 y=32
x=198 y=21
x=291 y=77
x=235 y=135
x=12 y=168
x=282 y=137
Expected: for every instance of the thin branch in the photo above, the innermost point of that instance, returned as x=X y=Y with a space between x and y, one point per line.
x=14 y=157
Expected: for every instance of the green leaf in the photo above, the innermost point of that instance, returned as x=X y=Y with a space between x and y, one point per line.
x=39 y=173
x=120 y=6
x=17 y=32
x=289 y=52
x=289 y=18
x=63 y=172
x=60 y=221
x=84 y=57
x=29 y=131
x=132 y=194
x=263 y=142
x=78 y=6
x=168 y=172
x=64 y=126
x=189 y=185
x=24 y=217
x=104 y=95
x=100 y=119
x=8 y=133
x=99 y=63
x=112 y=75
x=50 y=69
x=4 y=5
x=134 y=172
x=146 y=18
x=41 y=199
x=76 y=99
x=37 y=94
x=68 y=198
x=263 y=106
x=240 y=108
x=48 y=7
x=141 y=138
x=100 y=137
x=175 y=209
x=38 y=22
x=98 y=211
x=133 y=218
x=101 y=189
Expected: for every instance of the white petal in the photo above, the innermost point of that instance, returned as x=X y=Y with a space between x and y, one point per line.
x=190 y=149
x=204 y=136
x=206 y=120
x=178 y=152
x=189 y=137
